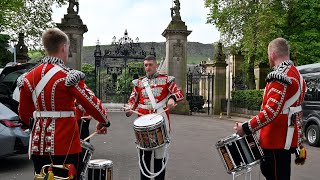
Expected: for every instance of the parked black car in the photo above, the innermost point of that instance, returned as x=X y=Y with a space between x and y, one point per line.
x=311 y=105
x=10 y=74
x=195 y=102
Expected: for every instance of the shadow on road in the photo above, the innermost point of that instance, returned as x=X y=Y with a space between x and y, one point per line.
x=15 y=163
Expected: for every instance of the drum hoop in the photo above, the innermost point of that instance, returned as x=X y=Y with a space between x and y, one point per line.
x=103 y=163
x=86 y=145
x=154 y=148
x=96 y=166
x=254 y=162
x=153 y=126
x=146 y=128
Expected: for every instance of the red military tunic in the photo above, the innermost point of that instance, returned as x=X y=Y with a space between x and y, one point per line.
x=162 y=87
x=282 y=84
x=56 y=135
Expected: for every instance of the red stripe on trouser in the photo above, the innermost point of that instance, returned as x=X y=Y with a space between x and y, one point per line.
x=78 y=164
x=275 y=166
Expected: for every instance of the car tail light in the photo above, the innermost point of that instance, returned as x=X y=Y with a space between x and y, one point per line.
x=9 y=123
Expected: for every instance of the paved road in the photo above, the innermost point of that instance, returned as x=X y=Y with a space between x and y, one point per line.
x=192 y=154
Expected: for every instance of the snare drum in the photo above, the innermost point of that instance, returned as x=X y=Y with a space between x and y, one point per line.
x=150 y=131
x=100 y=169
x=238 y=152
x=86 y=154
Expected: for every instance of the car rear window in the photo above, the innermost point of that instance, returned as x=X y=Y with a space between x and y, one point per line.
x=11 y=78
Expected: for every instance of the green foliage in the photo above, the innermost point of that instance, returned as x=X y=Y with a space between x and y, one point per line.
x=303 y=30
x=36 y=55
x=7 y=9
x=124 y=84
x=5 y=55
x=30 y=17
x=118 y=87
x=250 y=99
x=249 y=25
x=88 y=70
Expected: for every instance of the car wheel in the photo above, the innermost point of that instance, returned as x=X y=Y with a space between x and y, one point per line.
x=195 y=109
x=313 y=135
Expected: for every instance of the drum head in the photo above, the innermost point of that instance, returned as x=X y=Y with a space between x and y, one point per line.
x=100 y=163
x=227 y=140
x=147 y=120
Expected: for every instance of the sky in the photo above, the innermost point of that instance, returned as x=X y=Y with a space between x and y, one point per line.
x=145 y=19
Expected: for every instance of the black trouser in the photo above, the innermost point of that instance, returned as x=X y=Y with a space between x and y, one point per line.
x=83 y=128
x=39 y=161
x=276 y=164
x=157 y=166
x=84 y=132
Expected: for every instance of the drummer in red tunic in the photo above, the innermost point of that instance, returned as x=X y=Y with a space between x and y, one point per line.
x=47 y=95
x=280 y=118
x=165 y=95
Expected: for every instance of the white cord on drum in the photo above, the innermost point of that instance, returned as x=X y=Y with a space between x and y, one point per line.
x=164 y=164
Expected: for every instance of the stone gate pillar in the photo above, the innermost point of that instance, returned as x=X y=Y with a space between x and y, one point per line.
x=73 y=26
x=21 y=50
x=176 y=54
x=260 y=72
x=219 y=70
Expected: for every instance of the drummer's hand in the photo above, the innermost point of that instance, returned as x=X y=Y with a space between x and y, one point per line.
x=101 y=129
x=127 y=110
x=86 y=118
x=171 y=104
x=238 y=129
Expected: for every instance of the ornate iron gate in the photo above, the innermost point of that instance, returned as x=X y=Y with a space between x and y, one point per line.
x=200 y=89
x=113 y=75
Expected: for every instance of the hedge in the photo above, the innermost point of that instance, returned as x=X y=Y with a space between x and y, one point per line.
x=250 y=99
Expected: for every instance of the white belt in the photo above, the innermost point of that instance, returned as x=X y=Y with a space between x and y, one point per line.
x=148 y=107
x=290 y=131
x=53 y=114
x=160 y=104
x=292 y=110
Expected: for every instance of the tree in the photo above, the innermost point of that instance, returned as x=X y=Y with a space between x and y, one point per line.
x=5 y=55
x=88 y=70
x=7 y=9
x=36 y=55
x=303 y=30
x=251 y=24
x=30 y=17
x=248 y=25
x=134 y=71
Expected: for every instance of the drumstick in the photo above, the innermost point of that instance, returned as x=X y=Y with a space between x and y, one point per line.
x=91 y=135
x=160 y=113
x=134 y=111
x=86 y=117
